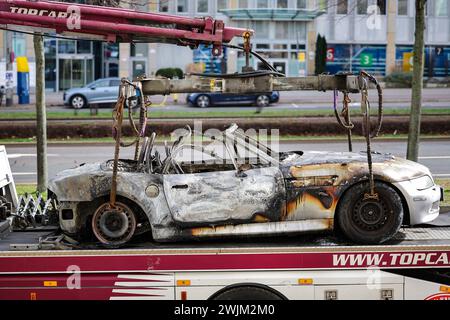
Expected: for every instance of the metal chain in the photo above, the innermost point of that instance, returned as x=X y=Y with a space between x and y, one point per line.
x=346 y=123
x=117 y=133
x=365 y=108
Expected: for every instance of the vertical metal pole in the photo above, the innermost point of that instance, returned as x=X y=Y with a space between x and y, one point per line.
x=351 y=57
x=9 y=90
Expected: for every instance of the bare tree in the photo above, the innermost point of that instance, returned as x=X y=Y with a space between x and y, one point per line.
x=417 y=82
x=41 y=117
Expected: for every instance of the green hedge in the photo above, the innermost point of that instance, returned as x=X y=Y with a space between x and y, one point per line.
x=170 y=73
x=400 y=78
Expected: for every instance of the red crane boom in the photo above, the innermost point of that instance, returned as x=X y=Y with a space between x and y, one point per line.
x=117 y=24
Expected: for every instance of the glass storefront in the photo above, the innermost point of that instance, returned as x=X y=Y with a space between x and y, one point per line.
x=68 y=64
x=50 y=64
x=281 y=43
x=139 y=53
x=110 y=60
x=287 y=59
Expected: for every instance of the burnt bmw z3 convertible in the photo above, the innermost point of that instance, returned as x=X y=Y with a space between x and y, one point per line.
x=239 y=187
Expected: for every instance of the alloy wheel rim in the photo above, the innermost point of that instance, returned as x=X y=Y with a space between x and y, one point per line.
x=78 y=102
x=203 y=101
x=263 y=101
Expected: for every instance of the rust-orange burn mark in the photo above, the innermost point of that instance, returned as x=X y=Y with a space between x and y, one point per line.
x=258 y=218
x=309 y=198
x=306 y=198
x=332 y=173
x=212 y=229
x=292 y=205
x=283 y=212
x=330 y=223
x=302 y=171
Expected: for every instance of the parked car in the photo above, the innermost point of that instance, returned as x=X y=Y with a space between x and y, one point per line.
x=254 y=192
x=205 y=100
x=101 y=91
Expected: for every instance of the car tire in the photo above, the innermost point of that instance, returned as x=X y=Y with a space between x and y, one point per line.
x=78 y=101
x=203 y=101
x=262 y=101
x=367 y=221
x=247 y=292
x=114 y=226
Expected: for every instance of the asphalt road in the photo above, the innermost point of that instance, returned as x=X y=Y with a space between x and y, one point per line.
x=438 y=98
x=433 y=153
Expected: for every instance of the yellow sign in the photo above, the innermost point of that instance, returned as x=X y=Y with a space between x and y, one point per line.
x=22 y=64
x=301 y=57
x=408 y=61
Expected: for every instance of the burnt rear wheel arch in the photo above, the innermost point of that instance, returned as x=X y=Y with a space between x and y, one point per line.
x=352 y=218
x=247 y=291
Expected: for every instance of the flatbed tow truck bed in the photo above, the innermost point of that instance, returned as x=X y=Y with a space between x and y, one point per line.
x=159 y=270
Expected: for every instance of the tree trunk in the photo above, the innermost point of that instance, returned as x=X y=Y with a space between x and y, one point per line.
x=417 y=82
x=41 y=117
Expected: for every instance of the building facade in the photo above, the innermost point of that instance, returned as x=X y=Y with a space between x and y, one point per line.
x=378 y=36
x=375 y=35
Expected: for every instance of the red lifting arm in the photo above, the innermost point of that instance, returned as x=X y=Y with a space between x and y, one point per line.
x=117 y=24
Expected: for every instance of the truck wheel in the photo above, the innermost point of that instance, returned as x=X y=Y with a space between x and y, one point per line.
x=113 y=226
x=247 y=292
x=370 y=221
x=78 y=102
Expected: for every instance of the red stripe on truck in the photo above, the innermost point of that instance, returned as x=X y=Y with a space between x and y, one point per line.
x=220 y=261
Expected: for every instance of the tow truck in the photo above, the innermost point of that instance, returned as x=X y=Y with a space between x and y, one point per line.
x=41 y=263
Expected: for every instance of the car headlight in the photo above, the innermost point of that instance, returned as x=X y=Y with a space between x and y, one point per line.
x=423 y=183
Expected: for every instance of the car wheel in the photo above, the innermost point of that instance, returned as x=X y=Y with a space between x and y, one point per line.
x=78 y=101
x=203 y=101
x=262 y=101
x=370 y=221
x=113 y=226
x=247 y=292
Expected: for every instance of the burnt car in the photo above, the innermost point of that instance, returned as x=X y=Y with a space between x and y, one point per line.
x=241 y=188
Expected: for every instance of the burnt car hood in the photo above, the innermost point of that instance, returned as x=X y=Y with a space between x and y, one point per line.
x=347 y=166
x=77 y=183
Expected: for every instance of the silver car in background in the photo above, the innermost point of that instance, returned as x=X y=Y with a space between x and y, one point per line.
x=101 y=91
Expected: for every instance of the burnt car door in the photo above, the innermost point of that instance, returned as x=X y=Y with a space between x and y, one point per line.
x=225 y=197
